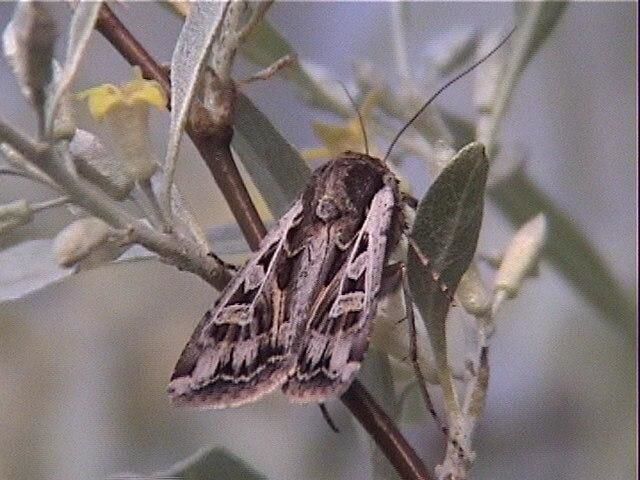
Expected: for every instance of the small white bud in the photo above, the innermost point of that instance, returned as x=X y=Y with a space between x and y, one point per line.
x=79 y=239
x=96 y=164
x=521 y=256
x=14 y=215
x=28 y=42
x=472 y=294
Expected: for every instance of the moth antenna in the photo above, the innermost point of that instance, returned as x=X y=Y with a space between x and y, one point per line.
x=355 y=107
x=443 y=88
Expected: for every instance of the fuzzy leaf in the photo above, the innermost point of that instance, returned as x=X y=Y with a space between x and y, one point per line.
x=27 y=267
x=544 y=17
x=28 y=42
x=536 y=21
x=274 y=165
x=190 y=55
x=82 y=24
x=446 y=230
x=265 y=45
x=212 y=464
x=449 y=216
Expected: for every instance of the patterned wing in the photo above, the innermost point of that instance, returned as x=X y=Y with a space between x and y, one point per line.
x=336 y=336
x=242 y=348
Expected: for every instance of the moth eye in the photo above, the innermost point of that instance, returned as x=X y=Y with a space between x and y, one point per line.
x=327 y=209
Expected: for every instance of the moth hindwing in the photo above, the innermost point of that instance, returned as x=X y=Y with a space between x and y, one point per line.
x=298 y=315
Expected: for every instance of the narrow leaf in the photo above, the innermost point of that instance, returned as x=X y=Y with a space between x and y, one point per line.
x=543 y=17
x=273 y=164
x=191 y=52
x=446 y=232
x=536 y=21
x=82 y=24
x=213 y=464
x=28 y=42
x=27 y=267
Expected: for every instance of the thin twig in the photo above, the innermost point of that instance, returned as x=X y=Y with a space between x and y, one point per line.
x=54 y=202
x=181 y=252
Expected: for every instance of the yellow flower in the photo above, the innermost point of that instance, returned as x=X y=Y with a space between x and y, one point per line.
x=104 y=98
x=126 y=111
x=338 y=138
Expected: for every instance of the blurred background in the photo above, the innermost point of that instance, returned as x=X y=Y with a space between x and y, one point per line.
x=84 y=362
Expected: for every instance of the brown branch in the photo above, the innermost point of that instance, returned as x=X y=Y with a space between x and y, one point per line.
x=381 y=428
x=213 y=145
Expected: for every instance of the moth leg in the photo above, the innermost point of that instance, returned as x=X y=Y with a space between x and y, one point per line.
x=413 y=351
x=327 y=417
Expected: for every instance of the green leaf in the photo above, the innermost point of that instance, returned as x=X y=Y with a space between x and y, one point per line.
x=446 y=230
x=536 y=21
x=567 y=248
x=543 y=18
x=275 y=166
x=212 y=464
x=448 y=218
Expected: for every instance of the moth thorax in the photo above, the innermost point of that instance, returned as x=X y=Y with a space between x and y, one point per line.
x=327 y=209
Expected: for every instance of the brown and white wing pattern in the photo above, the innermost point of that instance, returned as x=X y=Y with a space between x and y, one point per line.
x=336 y=335
x=242 y=348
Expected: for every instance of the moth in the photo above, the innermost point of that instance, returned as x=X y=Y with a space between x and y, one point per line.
x=299 y=314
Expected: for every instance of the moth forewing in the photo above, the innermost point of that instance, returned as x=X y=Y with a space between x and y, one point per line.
x=337 y=331
x=241 y=349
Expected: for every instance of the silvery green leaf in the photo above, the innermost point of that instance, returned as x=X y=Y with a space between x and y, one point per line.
x=536 y=21
x=190 y=55
x=28 y=42
x=446 y=230
x=264 y=45
x=273 y=164
x=30 y=266
x=27 y=267
x=96 y=164
x=64 y=123
x=82 y=24
x=211 y=464
x=448 y=217
x=542 y=17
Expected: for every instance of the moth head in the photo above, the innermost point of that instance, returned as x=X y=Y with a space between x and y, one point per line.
x=327 y=209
